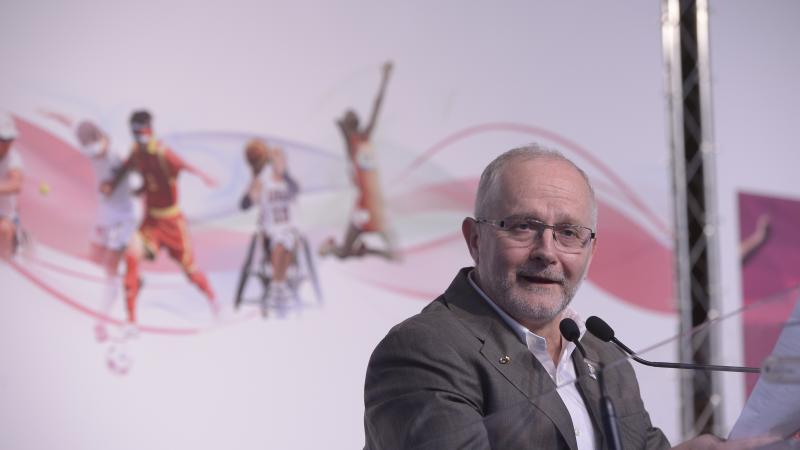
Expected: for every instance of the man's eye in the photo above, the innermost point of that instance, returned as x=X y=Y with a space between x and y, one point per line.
x=519 y=226
x=568 y=232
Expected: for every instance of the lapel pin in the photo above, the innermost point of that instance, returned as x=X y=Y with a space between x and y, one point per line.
x=505 y=359
x=592 y=370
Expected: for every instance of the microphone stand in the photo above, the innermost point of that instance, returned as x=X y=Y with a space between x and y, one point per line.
x=711 y=367
x=608 y=415
x=605 y=333
x=569 y=329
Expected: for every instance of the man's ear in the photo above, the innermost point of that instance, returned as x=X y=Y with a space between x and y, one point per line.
x=469 y=228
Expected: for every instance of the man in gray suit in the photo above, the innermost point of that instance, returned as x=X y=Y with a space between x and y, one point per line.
x=484 y=365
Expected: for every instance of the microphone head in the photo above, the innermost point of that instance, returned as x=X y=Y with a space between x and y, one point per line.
x=569 y=329
x=599 y=328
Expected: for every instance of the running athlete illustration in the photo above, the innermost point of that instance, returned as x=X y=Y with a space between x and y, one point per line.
x=275 y=192
x=368 y=216
x=112 y=237
x=164 y=225
x=10 y=186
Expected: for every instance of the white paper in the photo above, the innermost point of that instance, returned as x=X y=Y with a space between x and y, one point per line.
x=774 y=405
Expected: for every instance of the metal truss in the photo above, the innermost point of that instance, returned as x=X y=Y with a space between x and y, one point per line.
x=684 y=26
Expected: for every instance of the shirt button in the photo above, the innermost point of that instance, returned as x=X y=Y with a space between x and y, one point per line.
x=577 y=431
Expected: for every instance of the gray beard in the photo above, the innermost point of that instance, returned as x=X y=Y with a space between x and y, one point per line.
x=523 y=310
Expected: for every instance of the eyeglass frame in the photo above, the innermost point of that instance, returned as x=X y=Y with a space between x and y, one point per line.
x=542 y=225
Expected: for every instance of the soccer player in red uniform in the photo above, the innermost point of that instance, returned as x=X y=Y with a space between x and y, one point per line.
x=163 y=225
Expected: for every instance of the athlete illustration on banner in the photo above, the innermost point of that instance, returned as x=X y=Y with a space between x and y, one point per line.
x=163 y=225
x=112 y=237
x=369 y=215
x=750 y=244
x=286 y=259
x=10 y=187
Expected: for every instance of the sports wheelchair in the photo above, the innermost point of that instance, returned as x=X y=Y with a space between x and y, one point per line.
x=257 y=265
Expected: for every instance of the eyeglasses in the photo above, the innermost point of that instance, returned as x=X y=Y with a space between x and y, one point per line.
x=523 y=230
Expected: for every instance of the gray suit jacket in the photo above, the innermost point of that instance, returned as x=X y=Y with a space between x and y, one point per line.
x=456 y=376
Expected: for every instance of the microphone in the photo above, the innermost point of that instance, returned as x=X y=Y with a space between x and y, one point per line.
x=569 y=329
x=605 y=333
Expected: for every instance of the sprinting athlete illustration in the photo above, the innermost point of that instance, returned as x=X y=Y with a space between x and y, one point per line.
x=163 y=225
x=275 y=192
x=368 y=216
x=112 y=237
x=10 y=186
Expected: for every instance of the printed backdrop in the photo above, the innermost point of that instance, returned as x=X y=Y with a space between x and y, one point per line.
x=469 y=82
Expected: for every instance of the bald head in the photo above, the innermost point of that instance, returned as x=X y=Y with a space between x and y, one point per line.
x=489 y=186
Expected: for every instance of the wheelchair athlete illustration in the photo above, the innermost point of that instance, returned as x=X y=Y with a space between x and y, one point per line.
x=278 y=255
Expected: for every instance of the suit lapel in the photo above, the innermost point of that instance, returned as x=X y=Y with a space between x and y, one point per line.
x=503 y=350
x=589 y=387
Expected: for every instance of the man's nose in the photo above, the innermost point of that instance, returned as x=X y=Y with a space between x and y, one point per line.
x=544 y=245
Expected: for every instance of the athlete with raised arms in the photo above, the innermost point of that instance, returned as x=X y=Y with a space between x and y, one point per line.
x=368 y=216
